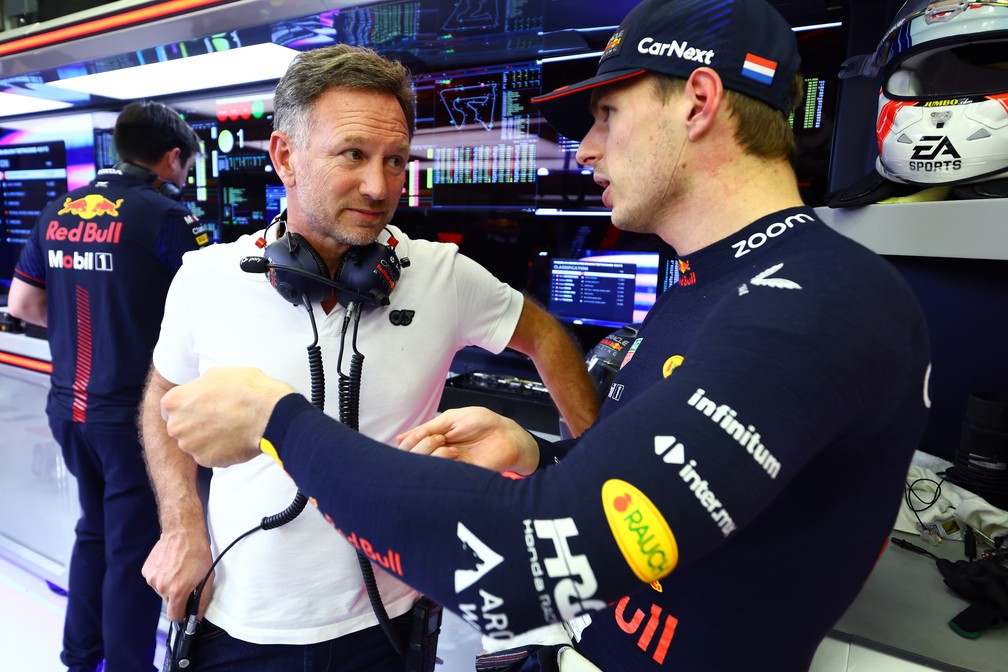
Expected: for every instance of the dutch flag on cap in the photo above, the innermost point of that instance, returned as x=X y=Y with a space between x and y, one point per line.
x=760 y=69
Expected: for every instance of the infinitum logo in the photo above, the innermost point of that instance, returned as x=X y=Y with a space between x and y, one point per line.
x=746 y=435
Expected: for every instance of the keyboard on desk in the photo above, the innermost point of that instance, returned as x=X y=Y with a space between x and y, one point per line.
x=494 y=382
x=526 y=401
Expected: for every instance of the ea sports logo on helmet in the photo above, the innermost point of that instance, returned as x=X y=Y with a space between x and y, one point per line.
x=929 y=144
x=935 y=153
x=933 y=146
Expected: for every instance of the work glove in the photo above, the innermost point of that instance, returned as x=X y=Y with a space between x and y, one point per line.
x=984 y=583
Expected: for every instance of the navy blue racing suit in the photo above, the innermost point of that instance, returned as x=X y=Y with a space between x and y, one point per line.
x=728 y=504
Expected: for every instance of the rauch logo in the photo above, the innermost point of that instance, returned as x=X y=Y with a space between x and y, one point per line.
x=643 y=535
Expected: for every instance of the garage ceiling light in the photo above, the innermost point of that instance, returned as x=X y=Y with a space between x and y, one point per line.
x=255 y=63
x=12 y=104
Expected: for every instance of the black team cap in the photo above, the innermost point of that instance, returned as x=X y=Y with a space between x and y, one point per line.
x=747 y=42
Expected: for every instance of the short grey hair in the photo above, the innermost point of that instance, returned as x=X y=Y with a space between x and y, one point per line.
x=314 y=72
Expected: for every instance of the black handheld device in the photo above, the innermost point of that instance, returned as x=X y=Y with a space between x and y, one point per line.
x=178 y=653
x=425 y=627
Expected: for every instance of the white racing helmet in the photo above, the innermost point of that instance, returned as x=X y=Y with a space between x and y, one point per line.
x=943 y=105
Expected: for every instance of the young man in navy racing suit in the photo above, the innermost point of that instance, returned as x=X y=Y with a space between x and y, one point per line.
x=774 y=395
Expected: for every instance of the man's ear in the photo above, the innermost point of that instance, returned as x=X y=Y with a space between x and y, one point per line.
x=174 y=158
x=166 y=165
x=705 y=93
x=281 y=151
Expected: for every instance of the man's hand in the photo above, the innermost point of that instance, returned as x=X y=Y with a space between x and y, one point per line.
x=475 y=435
x=176 y=566
x=220 y=417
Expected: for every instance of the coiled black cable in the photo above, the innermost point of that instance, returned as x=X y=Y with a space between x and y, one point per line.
x=349 y=383
x=910 y=493
x=317 y=377
x=349 y=410
x=285 y=516
x=317 y=374
x=350 y=390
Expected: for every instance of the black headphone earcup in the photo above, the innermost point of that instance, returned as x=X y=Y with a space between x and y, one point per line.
x=292 y=249
x=165 y=188
x=372 y=270
x=170 y=190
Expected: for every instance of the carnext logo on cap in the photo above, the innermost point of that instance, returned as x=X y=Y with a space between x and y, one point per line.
x=674 y=48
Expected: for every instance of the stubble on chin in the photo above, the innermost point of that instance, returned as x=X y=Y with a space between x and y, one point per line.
x=350 y=232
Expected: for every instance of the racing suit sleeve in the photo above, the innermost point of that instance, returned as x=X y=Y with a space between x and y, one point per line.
x=31 y=264
x=551 y=452
x=658 y=484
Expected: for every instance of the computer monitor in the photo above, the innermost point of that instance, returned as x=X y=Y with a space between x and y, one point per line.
x=476 y=143
x=606 y=288
x=276 y=200
x=31 y=176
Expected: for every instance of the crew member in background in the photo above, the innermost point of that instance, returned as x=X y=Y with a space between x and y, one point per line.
x=95 y=272
x=775 y=395
x=343 y=122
